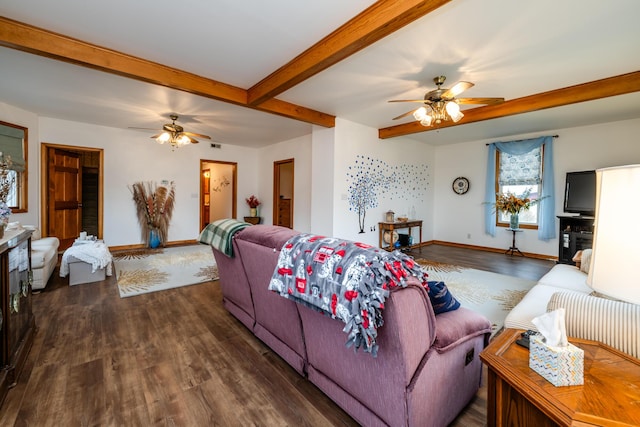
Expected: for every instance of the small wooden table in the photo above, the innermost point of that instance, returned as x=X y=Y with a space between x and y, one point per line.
x=518 y=396
x=513 y=249
x=252 y=219
x=390 y=226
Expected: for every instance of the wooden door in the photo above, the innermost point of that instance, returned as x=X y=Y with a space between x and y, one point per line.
x=205 y=202
x=65 y=196
x=283 y=189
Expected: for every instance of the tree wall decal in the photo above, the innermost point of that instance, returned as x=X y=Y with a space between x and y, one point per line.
x=370 y=179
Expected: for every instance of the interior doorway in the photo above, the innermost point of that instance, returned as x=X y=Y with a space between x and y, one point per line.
x=218 y=193
x=283 y=172
x=72 y=192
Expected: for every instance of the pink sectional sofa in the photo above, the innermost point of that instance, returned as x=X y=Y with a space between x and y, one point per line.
x=427 y=367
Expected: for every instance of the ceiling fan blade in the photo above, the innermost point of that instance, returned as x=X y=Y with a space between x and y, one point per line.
x=155 y=136
x=425 y=101
x=404 y=115
x=199 y=135
x=486 y=101
x=456 y=89
x=132 y=127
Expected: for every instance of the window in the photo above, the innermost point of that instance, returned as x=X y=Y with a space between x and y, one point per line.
x=517 y=174
x=13 y=144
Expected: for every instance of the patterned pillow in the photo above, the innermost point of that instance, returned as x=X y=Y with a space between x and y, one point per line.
x=441 y=299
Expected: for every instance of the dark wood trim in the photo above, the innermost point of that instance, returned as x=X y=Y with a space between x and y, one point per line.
x=488 y=249
x=38 y=41
x=604 y=88
x=374 y=23
x=144 y=246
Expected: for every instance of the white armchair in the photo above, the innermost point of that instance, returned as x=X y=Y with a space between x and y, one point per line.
x=44 y=257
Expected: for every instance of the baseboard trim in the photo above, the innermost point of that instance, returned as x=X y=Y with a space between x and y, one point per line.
x=486 y=249
x=143 y=246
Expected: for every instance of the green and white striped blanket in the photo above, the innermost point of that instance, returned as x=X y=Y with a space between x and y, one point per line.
x=219 y=234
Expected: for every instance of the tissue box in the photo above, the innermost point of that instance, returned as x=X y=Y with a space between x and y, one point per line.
x=559 y=365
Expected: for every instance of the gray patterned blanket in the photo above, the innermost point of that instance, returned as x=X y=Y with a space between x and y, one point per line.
x=346 y=280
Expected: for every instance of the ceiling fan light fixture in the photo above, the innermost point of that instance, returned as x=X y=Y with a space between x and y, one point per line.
x=420 y=113
x=442 y=103
x=183 y=140
x=456 y=118
x=426 y=120
x=163 y=137
x=453 y=109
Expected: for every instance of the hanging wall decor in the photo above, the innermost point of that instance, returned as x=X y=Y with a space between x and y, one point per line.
x=370 y=179
x=154 y=206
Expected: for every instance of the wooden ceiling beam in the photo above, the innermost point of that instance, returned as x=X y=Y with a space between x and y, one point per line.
x=27 y=38
x=379 y=20
x=604 y=88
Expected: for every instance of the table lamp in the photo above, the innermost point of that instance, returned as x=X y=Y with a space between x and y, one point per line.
x=616 y=242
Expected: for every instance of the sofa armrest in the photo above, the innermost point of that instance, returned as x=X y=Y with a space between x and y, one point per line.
x=611 y=322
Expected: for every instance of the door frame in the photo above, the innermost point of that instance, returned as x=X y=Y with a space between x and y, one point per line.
x=276 y=188
x=234 y=187
x=44 y=183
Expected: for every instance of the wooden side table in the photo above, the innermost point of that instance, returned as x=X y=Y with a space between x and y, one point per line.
x=518 y=396
x=391 y=226
x=252 y=219
x=514 y=249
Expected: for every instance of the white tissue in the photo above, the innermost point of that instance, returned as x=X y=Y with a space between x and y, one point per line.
x=551 y=326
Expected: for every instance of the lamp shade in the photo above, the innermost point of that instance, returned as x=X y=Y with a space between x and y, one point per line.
x=616 y=256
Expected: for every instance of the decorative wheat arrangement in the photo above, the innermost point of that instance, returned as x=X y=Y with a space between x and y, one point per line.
x=154 y=206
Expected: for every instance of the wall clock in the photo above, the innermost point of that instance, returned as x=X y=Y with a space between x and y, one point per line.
x=460 y=185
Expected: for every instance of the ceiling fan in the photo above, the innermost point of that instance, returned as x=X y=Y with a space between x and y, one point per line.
x=441 y=104
x=175 y=134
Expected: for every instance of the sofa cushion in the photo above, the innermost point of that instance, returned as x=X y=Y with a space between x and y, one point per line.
x=456 y=327
x=566 y=276
x=615 y=323
x=266 y=235
x=532 y=305
x=42 y=250
x=441 y=299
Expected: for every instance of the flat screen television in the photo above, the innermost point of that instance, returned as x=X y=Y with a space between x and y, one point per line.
x=580 y=193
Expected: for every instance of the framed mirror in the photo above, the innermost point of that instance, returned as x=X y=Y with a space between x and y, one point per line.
x=13 y=145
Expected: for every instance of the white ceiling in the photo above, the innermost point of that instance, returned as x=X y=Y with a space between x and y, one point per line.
x=507 y=48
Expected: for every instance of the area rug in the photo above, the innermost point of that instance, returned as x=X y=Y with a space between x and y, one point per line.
x=491 y=294
x=150 y=270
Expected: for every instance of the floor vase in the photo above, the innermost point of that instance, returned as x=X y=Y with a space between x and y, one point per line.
x=154 y=239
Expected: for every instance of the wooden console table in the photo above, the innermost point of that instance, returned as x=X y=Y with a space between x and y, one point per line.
x=518 y=396
x=17 y=328
x=391 y=226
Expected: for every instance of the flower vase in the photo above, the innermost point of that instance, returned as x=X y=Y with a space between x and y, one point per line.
x=154 y=239
x=514 y=221
x=253 y=212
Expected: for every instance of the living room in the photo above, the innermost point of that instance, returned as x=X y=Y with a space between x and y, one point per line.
x=447 y=217
x=322 y=154
x=68 y=105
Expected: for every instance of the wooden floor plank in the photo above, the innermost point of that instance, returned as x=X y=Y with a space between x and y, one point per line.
x=178 y=358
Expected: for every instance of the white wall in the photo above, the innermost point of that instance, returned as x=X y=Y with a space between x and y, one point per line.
x=298 y=149
x=584 y=148
x=131 y=156
x=29 y=120
x=322 y=195
x=321 y=163
x=353 y=140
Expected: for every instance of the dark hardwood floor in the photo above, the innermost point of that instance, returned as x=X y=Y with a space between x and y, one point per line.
x=176 y=357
